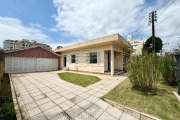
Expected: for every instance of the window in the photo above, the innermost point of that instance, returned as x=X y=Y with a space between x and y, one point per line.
x=73 y=58
x=93 y=57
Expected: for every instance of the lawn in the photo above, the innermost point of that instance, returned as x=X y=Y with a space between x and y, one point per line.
x=78 y=79
x=164 y=105
x=7 y=111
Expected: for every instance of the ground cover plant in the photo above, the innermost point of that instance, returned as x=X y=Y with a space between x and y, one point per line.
x=7 y=111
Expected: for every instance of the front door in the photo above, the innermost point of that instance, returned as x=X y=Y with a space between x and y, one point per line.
x=64 y=61
x=109 y=63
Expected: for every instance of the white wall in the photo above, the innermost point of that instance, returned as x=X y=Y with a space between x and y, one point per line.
x=82 y=65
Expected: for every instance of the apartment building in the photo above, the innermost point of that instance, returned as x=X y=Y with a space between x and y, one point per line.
x=21 y=44
x=136 y=45
x=8 y=45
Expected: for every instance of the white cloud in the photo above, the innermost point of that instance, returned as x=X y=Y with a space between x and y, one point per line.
x=13 y=28
x=90 y=19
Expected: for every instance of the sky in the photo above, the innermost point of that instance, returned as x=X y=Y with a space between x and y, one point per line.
x=66 y=22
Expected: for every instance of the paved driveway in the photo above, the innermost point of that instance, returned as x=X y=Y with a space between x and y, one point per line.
x=43 y=96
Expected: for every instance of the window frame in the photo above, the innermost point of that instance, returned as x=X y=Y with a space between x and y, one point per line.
x=91 y=57
x=73 y=58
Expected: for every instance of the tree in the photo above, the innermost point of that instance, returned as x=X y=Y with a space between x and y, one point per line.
x=1 y=54
x=148 y=46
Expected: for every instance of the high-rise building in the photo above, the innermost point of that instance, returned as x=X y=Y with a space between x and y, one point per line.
x=136 y=45
x=20 y=44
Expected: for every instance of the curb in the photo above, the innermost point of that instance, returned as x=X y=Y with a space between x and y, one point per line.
x=16 y=105
x=132 y=112
x=178 y=97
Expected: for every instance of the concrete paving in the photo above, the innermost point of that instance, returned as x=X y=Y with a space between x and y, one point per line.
x=43 y=96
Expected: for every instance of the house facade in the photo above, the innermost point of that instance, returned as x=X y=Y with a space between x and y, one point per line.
x=98 y=56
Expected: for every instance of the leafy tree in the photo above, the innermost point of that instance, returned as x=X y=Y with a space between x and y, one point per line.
x=158 y=45
x=1 y=53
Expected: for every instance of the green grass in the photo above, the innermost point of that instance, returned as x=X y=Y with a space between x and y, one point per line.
x=163 y=105
x=78 y=79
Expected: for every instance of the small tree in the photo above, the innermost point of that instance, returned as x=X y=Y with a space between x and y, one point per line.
x=167 y=69
x=143 y=72
x=148 y=45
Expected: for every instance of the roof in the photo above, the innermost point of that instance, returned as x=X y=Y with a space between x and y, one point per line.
x=116 y=38
x=31 y=48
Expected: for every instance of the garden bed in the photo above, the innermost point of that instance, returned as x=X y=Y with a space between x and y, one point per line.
x=163 y=105
x=7 y=111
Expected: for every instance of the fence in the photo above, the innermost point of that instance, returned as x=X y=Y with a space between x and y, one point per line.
x=1 y=70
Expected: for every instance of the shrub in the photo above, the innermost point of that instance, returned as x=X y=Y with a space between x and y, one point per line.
x=167 y=69
x=8 y=111
x=144 y=72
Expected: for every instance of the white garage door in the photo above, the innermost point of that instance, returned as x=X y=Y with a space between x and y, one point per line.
x=20 y=65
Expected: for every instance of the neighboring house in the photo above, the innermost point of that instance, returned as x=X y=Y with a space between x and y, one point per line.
x=136 y=45
x=97 y=55
x=20 y=44
x=32 y=59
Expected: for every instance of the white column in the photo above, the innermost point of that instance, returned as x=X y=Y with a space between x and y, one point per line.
x=112 y=59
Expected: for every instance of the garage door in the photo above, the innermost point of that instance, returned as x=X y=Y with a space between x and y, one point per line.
x=20 y=65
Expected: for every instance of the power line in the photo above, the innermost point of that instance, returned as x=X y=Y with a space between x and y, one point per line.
x=167 y=7
x=168 y=16
x=162 y=4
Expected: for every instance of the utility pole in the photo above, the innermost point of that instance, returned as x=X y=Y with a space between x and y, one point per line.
x=152 y=18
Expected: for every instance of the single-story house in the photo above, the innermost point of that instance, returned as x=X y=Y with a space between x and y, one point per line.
x=32 y=59
x=98 y=55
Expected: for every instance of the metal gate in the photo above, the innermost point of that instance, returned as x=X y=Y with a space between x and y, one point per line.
x=21 y=65
x=178 y=71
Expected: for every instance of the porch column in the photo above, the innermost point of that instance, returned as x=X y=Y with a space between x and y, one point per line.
x=112 y=59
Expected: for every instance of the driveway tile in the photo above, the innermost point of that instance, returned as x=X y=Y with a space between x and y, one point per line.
x=39 y=117
x=44 y=96
x=92 y=99
x=66 y=105
x=106 y=116
x=126 y=116
x=55 y=96
x=47 y=105
x=76 y=99
x=84 y=116
x=103 y=105
x=42 y=101
x=61 y=116
x=74 y=111
x=64 y=93
x=70 y=95
x=84 y=95
x=35 y=94
x=59 y=100
x=114 y=112
x=95 y=111
x=29 y=106
x=34 y=111
x=50 y=93
x=52 y=112
x=84 y=104
x=38 y=97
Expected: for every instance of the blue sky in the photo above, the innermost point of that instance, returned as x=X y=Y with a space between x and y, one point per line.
x=65 y=22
